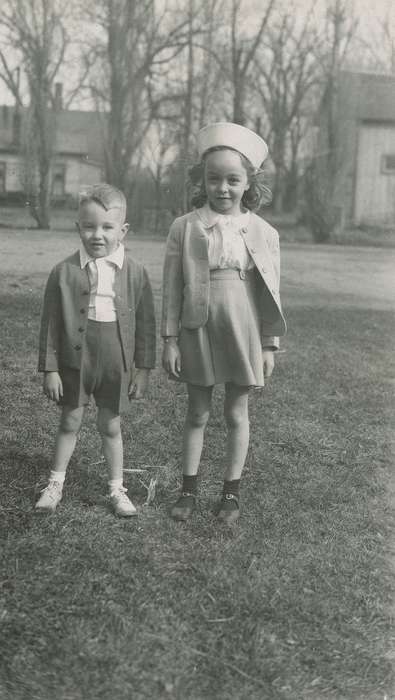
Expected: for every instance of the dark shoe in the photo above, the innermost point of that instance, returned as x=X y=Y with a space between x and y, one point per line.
x=184 y=507
x=228 y=511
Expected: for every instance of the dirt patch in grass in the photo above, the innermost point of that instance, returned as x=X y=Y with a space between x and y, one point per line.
x=296 y=601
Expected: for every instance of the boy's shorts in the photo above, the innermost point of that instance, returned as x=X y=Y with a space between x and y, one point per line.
x=102 y=374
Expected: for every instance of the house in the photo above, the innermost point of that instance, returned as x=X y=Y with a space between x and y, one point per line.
x=364 y=119
x=78 y=154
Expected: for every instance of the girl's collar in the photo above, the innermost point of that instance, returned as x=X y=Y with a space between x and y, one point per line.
x=209 y=217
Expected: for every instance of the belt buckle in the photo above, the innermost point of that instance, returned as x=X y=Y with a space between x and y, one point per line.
x=242 y=274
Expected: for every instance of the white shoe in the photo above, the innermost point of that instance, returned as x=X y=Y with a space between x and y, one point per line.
x=121 y=504
x=50 y=497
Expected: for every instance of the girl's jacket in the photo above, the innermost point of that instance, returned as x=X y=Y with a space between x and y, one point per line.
x=65 y=315
x=186 y=277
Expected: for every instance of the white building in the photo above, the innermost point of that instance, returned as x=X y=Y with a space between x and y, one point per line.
x=78 y=155
x=365 y=124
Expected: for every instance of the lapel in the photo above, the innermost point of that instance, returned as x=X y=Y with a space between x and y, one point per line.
x=79 y=277
x=256 y=242
x=121 y=286
x=196 y=238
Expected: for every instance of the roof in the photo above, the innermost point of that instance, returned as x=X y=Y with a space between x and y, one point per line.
x=78 y=133
x=367 y=96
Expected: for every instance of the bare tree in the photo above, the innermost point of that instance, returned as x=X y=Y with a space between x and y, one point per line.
x=34 y=33
x=135 y=42
x=200 y=71
x=332 y=48
x=285 y=73
x=243 y=50
x=228 y=48
x=209 y=81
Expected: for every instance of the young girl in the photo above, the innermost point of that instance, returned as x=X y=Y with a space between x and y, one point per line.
x=221 y=306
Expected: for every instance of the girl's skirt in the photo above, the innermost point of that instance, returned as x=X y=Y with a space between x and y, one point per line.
x=228 y=347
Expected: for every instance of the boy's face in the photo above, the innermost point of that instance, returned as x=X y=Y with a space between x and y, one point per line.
x=101 y=230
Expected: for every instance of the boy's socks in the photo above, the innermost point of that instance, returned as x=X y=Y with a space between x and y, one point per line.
x=50 y=497
x=189 y=484
x=115 y=485
x=232 y=487
x=57 y=476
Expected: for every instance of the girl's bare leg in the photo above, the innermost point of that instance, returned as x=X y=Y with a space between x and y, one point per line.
x=199 y=403
x=238 y=427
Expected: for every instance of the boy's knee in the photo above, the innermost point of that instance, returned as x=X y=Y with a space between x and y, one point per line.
x=71 y=422
x=108 y=425
x=197 y=419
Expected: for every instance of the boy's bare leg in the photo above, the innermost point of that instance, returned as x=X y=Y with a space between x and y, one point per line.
x=109 y=426
x=70 y=423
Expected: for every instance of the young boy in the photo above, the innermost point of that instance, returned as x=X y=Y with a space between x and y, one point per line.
x=97 y=322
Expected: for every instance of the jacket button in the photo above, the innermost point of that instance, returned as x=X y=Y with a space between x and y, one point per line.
x=81 y=329
x=85 y=292
x=82 y=311
x=252 y=250
x=77 y=347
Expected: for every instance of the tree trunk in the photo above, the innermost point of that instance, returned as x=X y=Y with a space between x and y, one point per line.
x=188 y=106
x=238 y=103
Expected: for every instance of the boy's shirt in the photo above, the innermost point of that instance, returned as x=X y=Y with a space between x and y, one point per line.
x=101 y=272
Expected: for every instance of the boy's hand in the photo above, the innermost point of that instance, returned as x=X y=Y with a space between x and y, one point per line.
x=138 y=387
x=52 y=386
x=268 y=362
x=171 y=357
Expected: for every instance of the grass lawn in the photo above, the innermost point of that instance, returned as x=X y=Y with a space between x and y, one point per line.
x=295 y=603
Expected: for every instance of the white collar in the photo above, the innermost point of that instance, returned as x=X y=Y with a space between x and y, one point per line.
x=210 y=217
x=116 y=258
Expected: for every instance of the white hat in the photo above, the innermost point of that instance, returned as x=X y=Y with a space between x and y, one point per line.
x=234 y=136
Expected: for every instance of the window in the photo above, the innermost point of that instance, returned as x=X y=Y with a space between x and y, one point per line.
x=58 y=179
x=2 y=177
x=388 y=163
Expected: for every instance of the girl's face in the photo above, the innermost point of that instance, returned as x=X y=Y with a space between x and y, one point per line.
x=225 y=181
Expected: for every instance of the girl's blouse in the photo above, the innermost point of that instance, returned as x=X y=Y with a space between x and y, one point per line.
x=226 y=247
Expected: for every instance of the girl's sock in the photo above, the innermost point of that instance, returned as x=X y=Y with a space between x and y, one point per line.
x=57 y=476
x=232 y=487
x=189 y=484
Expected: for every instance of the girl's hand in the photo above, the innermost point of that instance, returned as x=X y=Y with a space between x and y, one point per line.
x=138 y=387
x=171 y=357
x=268 y=362
x=52 y=386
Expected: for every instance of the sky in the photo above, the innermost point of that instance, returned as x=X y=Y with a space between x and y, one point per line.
x=368 y=12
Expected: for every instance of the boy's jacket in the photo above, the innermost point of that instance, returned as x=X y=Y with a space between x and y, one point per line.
x=65 y=315
x=187 y=276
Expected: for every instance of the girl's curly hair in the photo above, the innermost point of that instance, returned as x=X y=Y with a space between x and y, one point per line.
x=253 y=198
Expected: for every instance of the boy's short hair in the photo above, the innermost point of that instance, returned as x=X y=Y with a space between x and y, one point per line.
x=108 y=196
